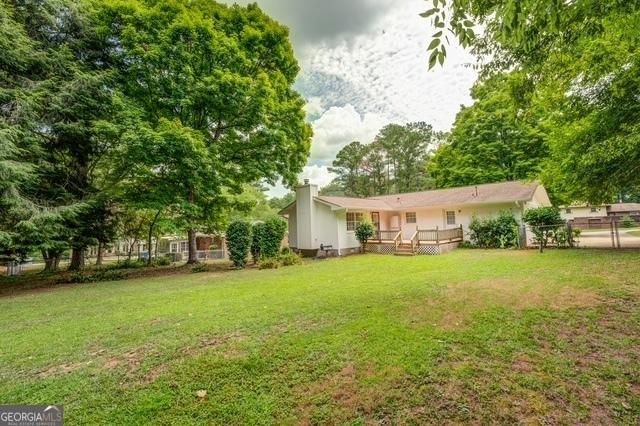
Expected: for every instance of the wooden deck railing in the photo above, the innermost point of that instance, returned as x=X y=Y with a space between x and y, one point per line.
x=386 y=236
x=439 y=235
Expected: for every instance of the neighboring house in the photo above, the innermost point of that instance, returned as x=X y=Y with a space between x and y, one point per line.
x=624 y=209
x=601 y=215
x=208 y=246
x=424 y=222
x=583 y=211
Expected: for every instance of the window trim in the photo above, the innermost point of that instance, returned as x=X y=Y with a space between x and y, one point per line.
x=447 y=217
x=358 y=217
x=415 y=218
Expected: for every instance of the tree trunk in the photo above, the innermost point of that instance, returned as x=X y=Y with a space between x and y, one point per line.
x=99 y=258
x=51 y=261
x=193 y=253
x=150 y=235
x=130 y=250
x=149 y=250
x=77 y=259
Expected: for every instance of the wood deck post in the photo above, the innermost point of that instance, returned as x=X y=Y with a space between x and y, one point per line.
x=437 y=236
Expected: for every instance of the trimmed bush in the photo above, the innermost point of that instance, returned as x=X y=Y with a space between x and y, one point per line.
x=628 y=222
x=103 y=275
x=239 y=243
x=274 y=232
x=500 y=232
x=257 y=241
x=290 y=259
x=270 y=263
x=128 y=264
x=364 y=232
x=199 y=268
x=162 y=261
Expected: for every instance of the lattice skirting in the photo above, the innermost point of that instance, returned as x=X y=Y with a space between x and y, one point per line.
x=431 y=250
x=381 y=248
x=425 y=249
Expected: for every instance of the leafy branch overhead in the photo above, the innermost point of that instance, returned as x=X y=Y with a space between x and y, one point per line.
x=447 y=20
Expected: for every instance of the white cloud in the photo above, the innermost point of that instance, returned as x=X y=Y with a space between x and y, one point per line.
x=339 y=126
x=384 y=71
x=317 y=175
x=314 y=107
x=364 y=65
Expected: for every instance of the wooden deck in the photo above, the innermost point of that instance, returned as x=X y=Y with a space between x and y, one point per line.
x=424 y=241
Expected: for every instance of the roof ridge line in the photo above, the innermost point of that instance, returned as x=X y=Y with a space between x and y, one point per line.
x=379 y=197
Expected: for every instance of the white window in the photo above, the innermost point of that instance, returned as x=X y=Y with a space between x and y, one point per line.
x=567 y=211
x=451 y=218
x=174 y=247
x=594 y=210
x=411 y=217
x=353 y=220
x=184 y=246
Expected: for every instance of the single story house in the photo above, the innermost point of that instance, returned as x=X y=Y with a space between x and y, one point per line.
x=597 y=216
x=583 y=211
x=428 y=222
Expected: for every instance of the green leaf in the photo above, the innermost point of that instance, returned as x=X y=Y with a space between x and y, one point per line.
x=428 y=13
x=434 y=43
x=438 y=34
x=433 y=58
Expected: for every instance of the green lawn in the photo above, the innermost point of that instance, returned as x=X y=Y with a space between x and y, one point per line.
x=472 y=336
x=635 y=233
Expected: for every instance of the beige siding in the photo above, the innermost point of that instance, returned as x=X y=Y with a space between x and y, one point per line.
x=583 y=211
x=437 y=218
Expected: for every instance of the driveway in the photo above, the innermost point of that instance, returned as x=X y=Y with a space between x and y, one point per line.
x=601 y=238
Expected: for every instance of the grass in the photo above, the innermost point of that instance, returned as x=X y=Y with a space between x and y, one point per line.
x=635 y=233
x=472 y=336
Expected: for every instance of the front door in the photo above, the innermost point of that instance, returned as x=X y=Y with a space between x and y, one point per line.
x=375 y=219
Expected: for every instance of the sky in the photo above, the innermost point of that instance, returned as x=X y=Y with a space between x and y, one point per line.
x=363 y=66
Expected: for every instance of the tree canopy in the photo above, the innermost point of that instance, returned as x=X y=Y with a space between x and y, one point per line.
x=581 y=59
x=166 y=109
x=395 y=162
x=494 y=140
x=222 y=75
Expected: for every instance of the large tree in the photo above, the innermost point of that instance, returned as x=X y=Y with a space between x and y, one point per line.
x=582 y=58
x=224 y=73
x=349 y=166
x=407 y=150
x=54 y=87
x=395 y=162
x=493 y=140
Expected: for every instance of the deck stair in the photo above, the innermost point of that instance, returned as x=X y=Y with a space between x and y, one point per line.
x=404 y=249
